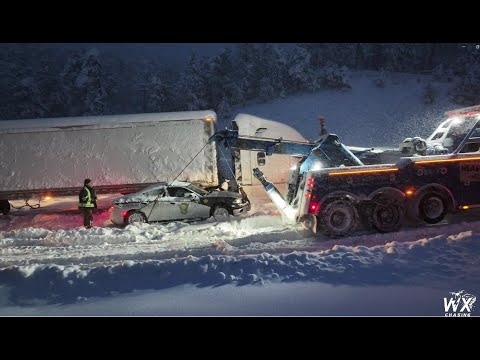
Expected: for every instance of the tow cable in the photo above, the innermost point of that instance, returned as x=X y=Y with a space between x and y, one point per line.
x=165 y=189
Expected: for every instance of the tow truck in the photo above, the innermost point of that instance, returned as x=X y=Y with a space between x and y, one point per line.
x=332 y=190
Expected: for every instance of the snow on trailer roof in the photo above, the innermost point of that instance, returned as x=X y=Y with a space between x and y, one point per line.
x=252 y=125
x=103 y=120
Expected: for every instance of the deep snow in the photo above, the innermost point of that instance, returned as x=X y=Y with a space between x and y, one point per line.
x=366 y=115
x=254 y=264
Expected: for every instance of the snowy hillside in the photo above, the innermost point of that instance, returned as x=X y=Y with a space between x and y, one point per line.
x=366 y=115
x=253 y=264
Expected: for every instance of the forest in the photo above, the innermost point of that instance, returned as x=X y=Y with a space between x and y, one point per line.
x=48 y=82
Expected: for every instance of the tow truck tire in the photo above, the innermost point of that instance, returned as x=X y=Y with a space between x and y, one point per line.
x=432 y=208
x=388 y=215
x=135 y=217
x=339 y=218
x=4 y=207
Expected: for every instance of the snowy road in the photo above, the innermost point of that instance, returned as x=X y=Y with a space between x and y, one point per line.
x=48 y=243
x=45 y=254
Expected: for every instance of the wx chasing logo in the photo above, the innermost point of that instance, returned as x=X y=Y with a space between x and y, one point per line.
x=461 y=304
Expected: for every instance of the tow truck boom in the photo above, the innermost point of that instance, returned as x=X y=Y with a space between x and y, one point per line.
x=270 y=146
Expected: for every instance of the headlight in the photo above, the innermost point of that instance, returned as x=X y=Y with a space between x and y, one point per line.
x=237 y=201
x=316 y=166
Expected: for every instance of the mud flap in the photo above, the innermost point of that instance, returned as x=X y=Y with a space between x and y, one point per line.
x=309 y=222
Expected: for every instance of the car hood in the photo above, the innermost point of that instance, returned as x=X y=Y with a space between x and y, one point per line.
x=230 y=194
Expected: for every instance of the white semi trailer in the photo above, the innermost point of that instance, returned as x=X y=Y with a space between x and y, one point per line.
x=121 y=153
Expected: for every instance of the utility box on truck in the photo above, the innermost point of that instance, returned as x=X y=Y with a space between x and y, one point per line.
x=121 y=153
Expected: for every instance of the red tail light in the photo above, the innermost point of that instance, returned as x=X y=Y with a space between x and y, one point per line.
x=310 y=182
x=125 y=213
x=313 y=207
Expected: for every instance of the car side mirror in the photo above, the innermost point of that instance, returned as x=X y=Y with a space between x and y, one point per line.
x=261 y=158
x=190 y=196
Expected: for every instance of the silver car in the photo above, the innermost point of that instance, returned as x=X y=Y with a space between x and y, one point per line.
x=177 y=201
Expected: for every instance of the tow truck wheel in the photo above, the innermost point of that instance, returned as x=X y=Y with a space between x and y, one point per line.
x=387 y=215
x=339 y=218
x=4 y=207
x=432 y=208
x=136 y=217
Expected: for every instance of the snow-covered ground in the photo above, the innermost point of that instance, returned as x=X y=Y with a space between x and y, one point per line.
x=54 y=266
x=366 y=115
x=249 y=265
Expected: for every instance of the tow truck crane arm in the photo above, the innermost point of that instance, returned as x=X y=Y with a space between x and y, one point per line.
x=270 y=146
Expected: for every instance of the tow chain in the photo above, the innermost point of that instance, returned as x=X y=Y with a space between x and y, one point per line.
x=34 y=206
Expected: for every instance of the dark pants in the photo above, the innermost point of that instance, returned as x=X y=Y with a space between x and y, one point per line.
x=87 y=217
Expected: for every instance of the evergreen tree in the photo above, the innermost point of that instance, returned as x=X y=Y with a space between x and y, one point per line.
x=300 y=72
x=193 y=85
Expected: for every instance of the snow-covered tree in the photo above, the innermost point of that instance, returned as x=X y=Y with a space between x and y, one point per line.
x=467 y=90
x=86 y=82
x=224 y=109
x=336 y=77
x=69 y=75
x=193 y=92
x=91 y=84
x=300 y=71
x=223 y=85
x=27 y=88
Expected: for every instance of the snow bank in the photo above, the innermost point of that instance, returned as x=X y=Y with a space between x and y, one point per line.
x=441 y=259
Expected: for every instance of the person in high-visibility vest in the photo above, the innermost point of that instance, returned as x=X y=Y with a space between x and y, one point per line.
x=87 y=201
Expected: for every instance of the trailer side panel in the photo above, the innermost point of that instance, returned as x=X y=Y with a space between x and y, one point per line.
x=129 y=153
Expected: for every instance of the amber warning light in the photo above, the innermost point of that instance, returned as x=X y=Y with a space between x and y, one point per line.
x=409 y=192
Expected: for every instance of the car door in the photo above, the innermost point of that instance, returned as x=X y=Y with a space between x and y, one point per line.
x=187 y=204
x=161 y=207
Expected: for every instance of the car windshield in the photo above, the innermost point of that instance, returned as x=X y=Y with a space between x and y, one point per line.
x=196 y=189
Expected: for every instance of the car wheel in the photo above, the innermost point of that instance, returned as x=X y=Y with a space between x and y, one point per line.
x=136 y=217
x=220 y=212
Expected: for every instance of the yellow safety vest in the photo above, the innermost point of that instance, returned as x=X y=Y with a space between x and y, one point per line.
x=89 y=203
